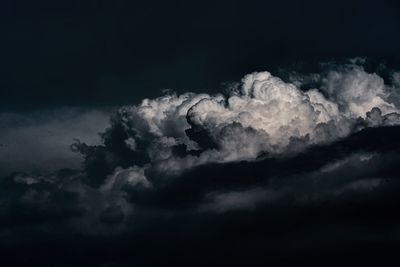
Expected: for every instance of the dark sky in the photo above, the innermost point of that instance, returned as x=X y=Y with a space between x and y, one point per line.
x=297 y=166
x=117 y=52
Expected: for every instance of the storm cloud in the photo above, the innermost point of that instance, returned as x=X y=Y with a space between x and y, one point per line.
x=299 y=166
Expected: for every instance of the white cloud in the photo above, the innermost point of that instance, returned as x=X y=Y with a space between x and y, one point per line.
x=264 y=115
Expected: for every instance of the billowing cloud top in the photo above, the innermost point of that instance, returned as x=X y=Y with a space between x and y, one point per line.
x=262 y=116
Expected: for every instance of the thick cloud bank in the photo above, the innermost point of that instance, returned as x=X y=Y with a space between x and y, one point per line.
x=287 y=163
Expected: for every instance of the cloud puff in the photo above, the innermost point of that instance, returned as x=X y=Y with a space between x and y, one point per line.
x=356 y=92
x=263 y=116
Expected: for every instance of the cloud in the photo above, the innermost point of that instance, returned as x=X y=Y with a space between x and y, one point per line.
x=40 y=141
x=245 y=200
x=179 y=174
x=263 y=116
x=357 y=92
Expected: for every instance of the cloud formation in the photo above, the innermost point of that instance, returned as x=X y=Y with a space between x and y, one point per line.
x=265 y=154
x=262 y=116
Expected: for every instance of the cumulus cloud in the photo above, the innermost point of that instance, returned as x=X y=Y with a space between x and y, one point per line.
x=357 y=92
x=306 y=145
x=151 y=144
x=263 y=116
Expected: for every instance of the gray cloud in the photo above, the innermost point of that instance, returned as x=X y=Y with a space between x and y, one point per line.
x=41 y=141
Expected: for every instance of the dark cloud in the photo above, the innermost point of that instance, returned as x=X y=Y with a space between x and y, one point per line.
x=270 y=172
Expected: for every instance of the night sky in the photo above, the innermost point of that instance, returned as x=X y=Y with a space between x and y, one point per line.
x=199 y=133
x=117 y=52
